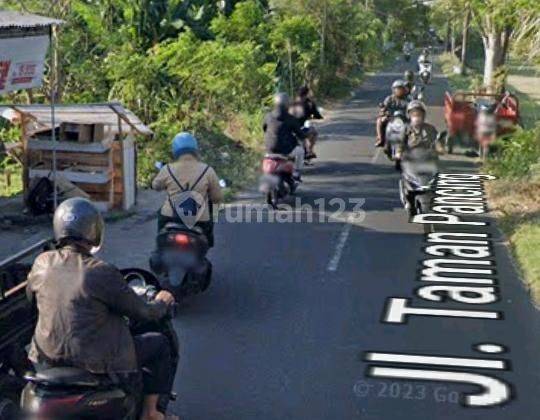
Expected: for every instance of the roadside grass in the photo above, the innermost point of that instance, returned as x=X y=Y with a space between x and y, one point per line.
x=469 y=80
x=516 y=204
x=10 y=181
x=514 y=197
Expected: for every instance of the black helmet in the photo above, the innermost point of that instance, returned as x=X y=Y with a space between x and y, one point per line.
x=78 y=219
x=281 y=100
x=303 y=91
x=408 y=75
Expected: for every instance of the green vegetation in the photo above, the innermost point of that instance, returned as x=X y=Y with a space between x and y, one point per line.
x=515 y=160
x=503 y=26
x=517 y=156
x=449 y=62
x=10 y=172
x=211 y=67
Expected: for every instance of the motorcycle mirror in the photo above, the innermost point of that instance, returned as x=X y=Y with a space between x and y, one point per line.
x=441 y=135
x=158 y=165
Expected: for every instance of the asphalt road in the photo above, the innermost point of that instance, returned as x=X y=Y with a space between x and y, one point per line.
x=283 y=330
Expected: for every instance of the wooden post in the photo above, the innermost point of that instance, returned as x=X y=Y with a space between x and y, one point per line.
x=53 y=80
x=25 y=159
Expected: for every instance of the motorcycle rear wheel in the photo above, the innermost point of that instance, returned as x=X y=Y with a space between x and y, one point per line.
x=208 y=279
x=272 y=198
x=449 y=144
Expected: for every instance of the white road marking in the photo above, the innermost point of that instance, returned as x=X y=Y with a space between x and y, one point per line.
x=376 y=155
x=343 y=236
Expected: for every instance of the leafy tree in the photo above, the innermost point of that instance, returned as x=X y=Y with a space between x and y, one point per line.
x=498 y=22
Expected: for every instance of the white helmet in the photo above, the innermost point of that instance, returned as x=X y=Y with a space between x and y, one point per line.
x=398 y=84
x=416 y=104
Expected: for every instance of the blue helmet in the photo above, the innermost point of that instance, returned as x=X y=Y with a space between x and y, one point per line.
x=184 y=143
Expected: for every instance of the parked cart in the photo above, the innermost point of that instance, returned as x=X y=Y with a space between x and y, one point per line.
x=479 y=117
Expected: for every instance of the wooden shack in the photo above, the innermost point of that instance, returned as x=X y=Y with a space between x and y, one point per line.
x=95 y=149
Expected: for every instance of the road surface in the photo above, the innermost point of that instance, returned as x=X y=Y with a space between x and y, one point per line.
x=284 y=330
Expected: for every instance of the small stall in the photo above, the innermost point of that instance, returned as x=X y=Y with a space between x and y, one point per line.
x=93 y=146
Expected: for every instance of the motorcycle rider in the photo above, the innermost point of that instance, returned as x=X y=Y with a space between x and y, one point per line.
x=419 y=133
x=283 y=133
x=304 y=108
x=408 y=77
x=392 y=103
x=188 y=179
x=423 y=58
x=82 y=302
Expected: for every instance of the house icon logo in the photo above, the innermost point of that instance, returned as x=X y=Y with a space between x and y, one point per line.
x=189 y=206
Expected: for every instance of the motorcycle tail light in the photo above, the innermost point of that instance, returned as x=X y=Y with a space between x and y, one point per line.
x=181 y=239
x=57 y=405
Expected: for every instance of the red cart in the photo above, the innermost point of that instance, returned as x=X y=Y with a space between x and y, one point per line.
x=479 y=116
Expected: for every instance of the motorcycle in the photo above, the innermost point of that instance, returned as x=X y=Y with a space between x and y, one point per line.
x=17 y=323
x=417 y=93
x=419 y=168
x=277 y=181
x=72 y=393
x=312 y=134
x=395 y=134
x=424 y=71
x=180 y=260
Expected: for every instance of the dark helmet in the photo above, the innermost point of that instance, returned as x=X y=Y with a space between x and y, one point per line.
x=78 y=219
x=303 y=91
x=408 y=75
x=281 y=100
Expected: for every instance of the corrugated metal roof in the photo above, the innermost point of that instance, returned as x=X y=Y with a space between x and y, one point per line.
x=11 y=19
x=82 y=114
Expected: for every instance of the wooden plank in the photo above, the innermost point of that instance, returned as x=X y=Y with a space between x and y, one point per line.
x=67 y=146
x=92 y=178
x=99 y=188
x=102 y=206
x=72 y=168
x=72 y=158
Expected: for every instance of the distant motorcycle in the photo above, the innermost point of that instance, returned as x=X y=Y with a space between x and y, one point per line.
x=419 y=168
x=68 y=392
x=425 y=69
x=417 y=93
x=277 y=181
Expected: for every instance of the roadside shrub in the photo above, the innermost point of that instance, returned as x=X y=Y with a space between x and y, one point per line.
x=516 y=156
